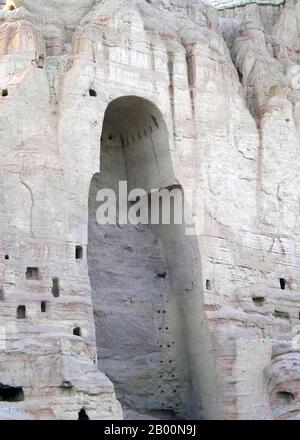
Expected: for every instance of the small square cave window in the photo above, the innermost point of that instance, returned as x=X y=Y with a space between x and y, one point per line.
x=208 y=285
x=161 y=274
x=77 y=331
x=21 y=312
x=258 y=301
x=78 y=253
x=92 y=92
x=40 y=62
x=32 y=273
x=55 y=287
x=4 y=92
x=282 y=282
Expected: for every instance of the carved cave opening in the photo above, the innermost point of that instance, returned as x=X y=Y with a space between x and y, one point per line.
x=21 y=312
x=282 y=283
x=11 y=394
x=78 y=253
x=82 y=415
x=139 y=275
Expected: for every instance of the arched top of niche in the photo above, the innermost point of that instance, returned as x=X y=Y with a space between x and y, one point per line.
x=139 y=126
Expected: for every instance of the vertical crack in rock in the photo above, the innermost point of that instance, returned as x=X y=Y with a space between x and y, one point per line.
x=171 y=92
x=191 y=75
x=31 y=206
x=259 y=171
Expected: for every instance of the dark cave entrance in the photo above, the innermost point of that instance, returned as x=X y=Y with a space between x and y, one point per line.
x=11 y=394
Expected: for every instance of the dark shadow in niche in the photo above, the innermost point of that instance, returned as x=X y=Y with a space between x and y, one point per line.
x=55 y=287
x=282 y=282
x=161 y=274
x=208 y=285
x=77 y=331
x=280 y=314
x=40 y=62
x=11 y=394
x=240 y=76
x=82 y=415
x=285 y=397
x=78 y=253
x=32 y=273
x=21 y=312
x=258 y=301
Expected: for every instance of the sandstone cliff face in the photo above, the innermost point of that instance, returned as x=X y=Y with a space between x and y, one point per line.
x=158 y=93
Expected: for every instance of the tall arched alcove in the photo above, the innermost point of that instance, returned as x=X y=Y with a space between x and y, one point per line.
x=146 y=281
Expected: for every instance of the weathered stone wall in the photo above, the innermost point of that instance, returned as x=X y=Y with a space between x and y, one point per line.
x=221 y=82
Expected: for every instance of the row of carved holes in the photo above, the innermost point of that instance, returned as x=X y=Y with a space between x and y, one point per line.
x=21 y=310
x=16 y=394
x=282 y=282
x=21 y=314
x=260 y=300
x=32 y=273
